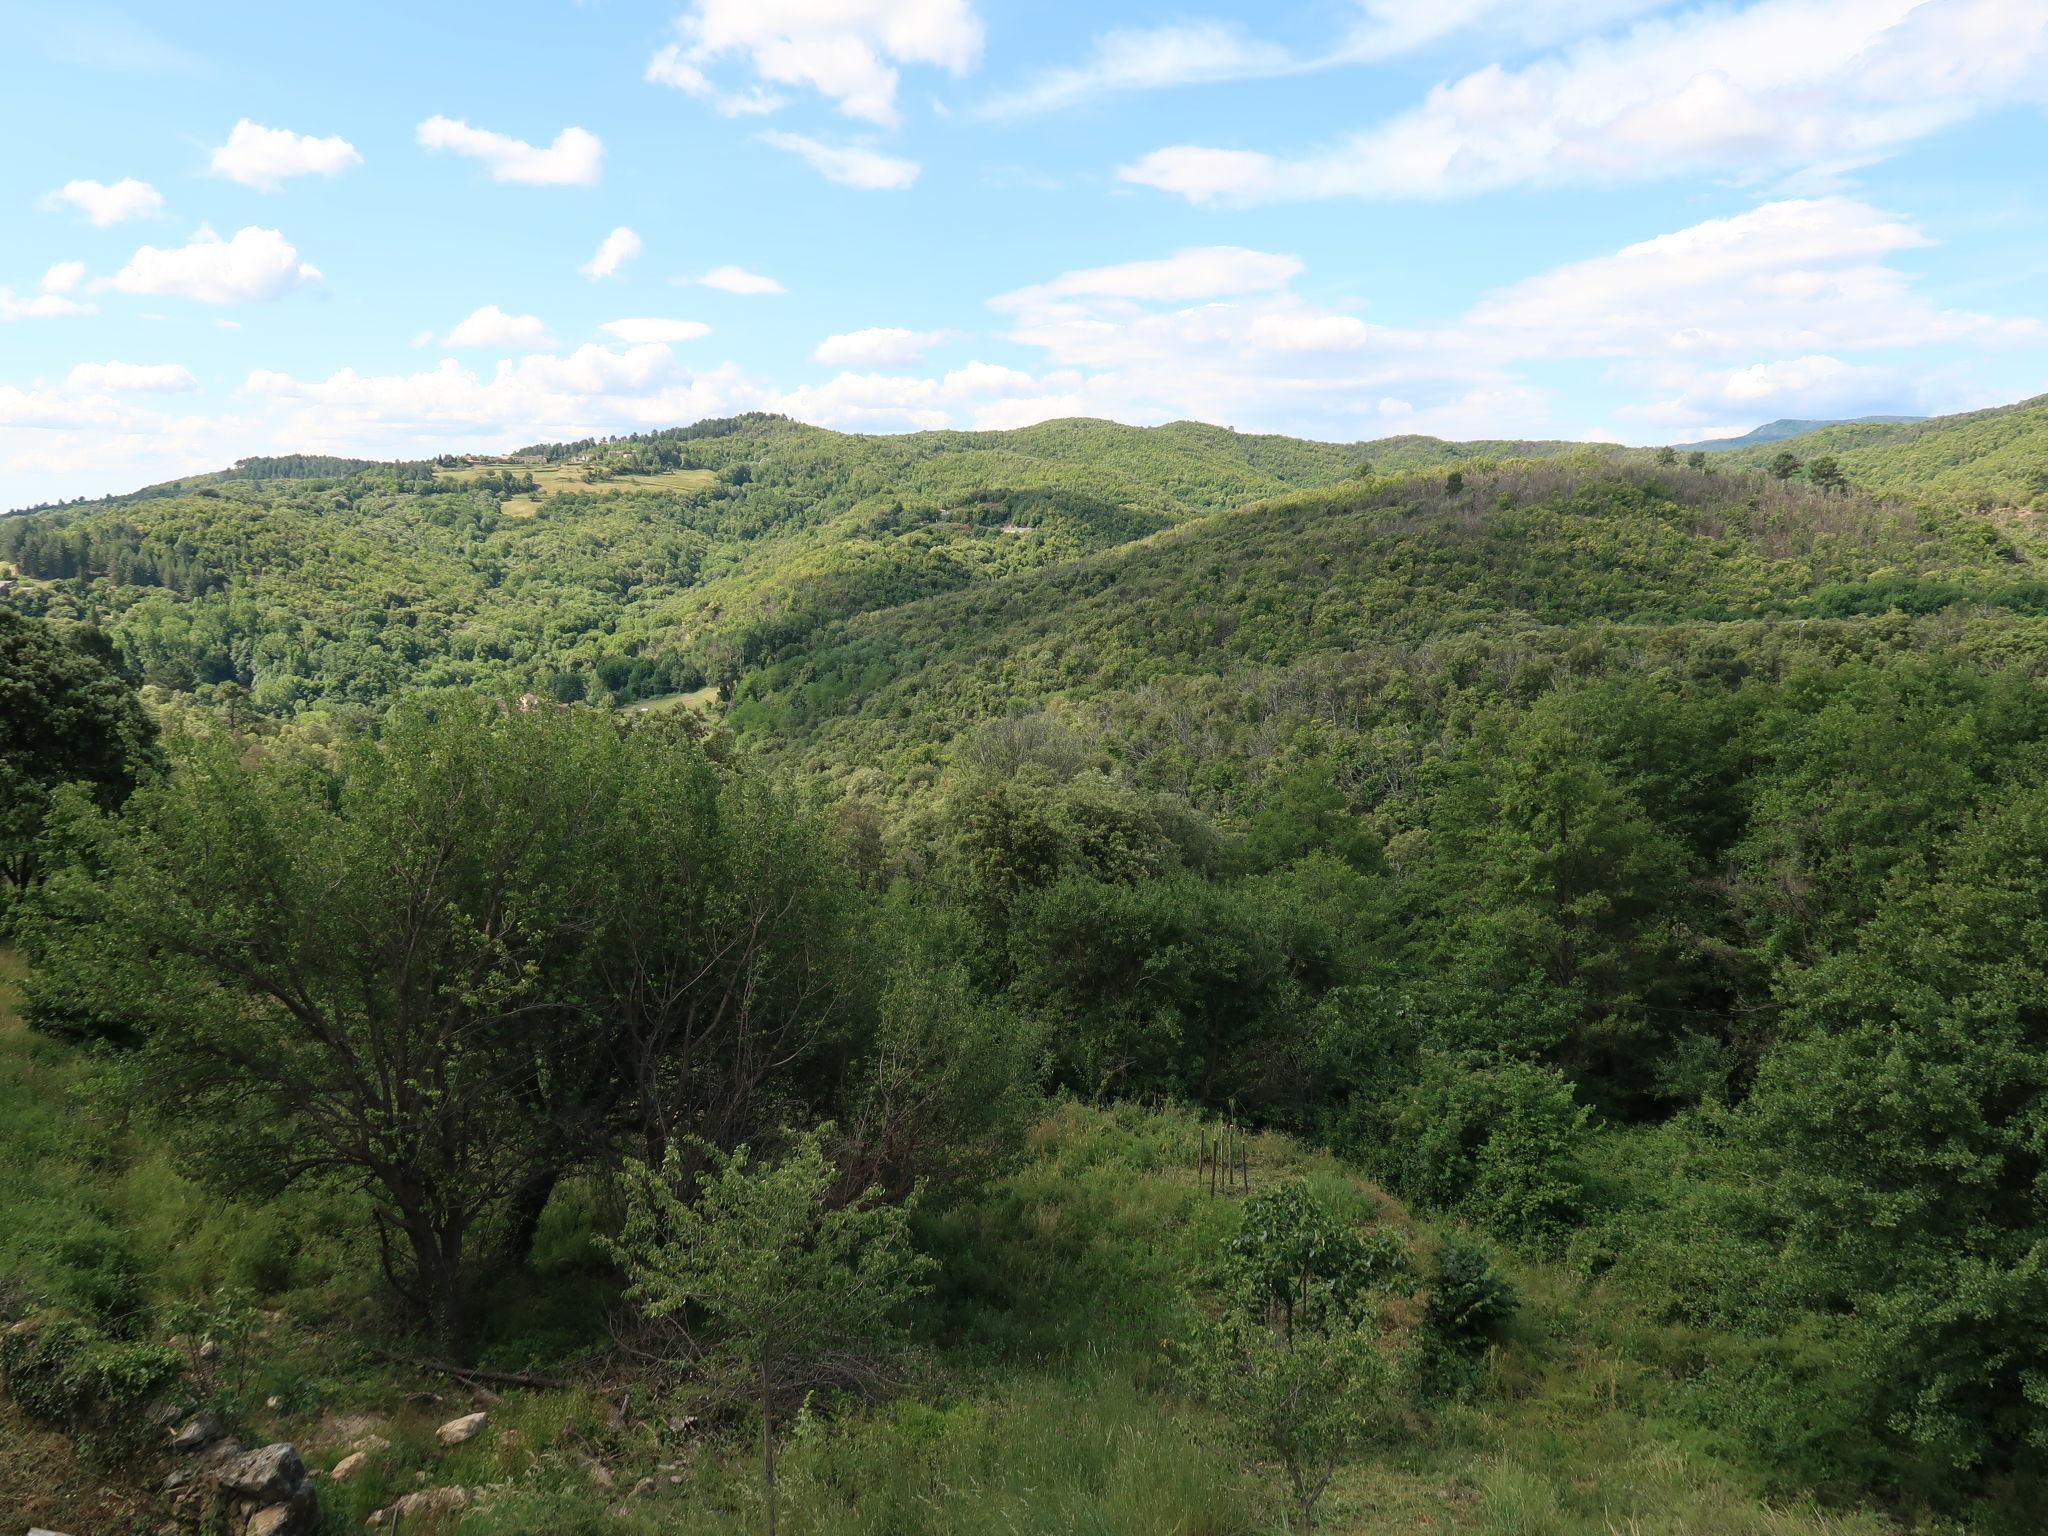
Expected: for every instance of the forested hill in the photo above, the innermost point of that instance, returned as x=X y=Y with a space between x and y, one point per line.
x=802 y=571
x=632 y=568
x=1983 y=459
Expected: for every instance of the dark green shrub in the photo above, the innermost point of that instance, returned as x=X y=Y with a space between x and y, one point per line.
x=67 y=1374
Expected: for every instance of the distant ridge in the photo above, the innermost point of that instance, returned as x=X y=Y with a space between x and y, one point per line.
x=1778 y=431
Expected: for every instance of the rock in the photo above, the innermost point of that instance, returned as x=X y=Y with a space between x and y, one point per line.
x=484 y=1397
x=645 y=1485
x=198 y=1432
x=349 y=1466
x=298 y=1516
x=209 y=1351
x=39 y=1531
x=598 y=1475
x=423 y=1400
x=369 y=1443
x=202 y=1470
x=428 y=1501
x=269 y=1476
x=468 y=1427
x=273 y=1403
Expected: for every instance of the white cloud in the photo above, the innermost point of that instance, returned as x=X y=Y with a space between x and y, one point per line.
x=574 y=159
x=865 y=402
x=63 y=276
x=41 y=306
x=105 y=204
x=265 y=158
x=1795 y=272
x=613 y=252
x=1309 y=333
x=846 y=50
x=1390 y=27
x=851 y=165
x=634 y=332
x=669 y=67
x=490 y=326
x=986 y=379
x=1143 y=59
x=144 y=377
x=1199 y=272
x=1777 y=86
x=256 y=264
x=740 y=280
x=879 y=346
x=1815 y=386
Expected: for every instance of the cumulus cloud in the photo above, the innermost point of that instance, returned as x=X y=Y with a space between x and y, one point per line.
x=257 y=264
x=851 y=165
x=613 y=252
x=740 y=280
x=878 y=346
x=846 y=50
x=63 y=276
x=142 y=377
x=265 y=158
x=635 y=332
x=104 y=204
x=574 y=159
x=1777 y=86
x=490 y=326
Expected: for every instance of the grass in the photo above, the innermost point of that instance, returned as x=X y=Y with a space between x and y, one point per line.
x=1041 y=1403
x=557 y=479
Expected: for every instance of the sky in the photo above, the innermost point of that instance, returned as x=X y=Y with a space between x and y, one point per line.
x=398 y=230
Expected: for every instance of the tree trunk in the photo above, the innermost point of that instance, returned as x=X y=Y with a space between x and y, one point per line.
x=767 y=1448
x=437 y=1257
x=523 y=1213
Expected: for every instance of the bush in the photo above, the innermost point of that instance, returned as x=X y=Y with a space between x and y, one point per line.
x=1500 y=1142
x=66 y=1374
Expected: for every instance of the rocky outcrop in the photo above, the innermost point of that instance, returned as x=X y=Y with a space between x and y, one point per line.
x=265 y=1492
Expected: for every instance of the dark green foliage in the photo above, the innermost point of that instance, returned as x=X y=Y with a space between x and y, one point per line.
x=425 y=975
x=67 y=715
x=1469 y=1300
x=68 y=1374
x=1500 y=1141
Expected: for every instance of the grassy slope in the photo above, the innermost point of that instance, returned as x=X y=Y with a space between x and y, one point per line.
x=1043 y=1403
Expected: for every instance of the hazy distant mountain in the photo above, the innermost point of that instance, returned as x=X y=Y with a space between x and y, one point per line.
x=1778 y=431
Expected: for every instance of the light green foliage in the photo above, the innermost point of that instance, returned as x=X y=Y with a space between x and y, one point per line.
x=801 y=1294
x=1295 y=1363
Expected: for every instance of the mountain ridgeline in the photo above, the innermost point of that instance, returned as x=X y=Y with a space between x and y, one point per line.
x=953 y=954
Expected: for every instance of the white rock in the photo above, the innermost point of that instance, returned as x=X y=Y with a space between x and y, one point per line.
x=468 y=1427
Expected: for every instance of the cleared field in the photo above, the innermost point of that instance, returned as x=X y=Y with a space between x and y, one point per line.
x=555 y=479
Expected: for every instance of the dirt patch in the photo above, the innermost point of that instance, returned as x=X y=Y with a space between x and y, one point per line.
x=44 y=1482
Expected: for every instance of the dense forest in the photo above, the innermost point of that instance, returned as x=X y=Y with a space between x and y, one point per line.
x=1087 y=978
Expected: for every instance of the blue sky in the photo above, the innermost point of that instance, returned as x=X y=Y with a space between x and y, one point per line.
x=397 y=230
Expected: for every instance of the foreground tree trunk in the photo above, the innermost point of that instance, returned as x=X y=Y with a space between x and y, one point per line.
x=767 y=1446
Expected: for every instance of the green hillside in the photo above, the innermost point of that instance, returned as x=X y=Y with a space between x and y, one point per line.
x=1147 y=981
x=1777 y=431
x=1986 y=460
